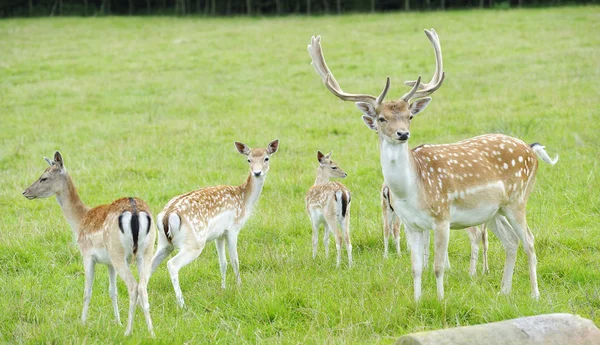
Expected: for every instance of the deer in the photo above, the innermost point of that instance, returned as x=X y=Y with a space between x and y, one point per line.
x=484 y=179
x=113 y=234
x=328 y=203
x=392 y=224
x=189 y=221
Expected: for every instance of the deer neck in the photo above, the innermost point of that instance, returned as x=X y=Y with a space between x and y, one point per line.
x=73 y=208
x=251 y=190
x=398 y=168
x=321 y=177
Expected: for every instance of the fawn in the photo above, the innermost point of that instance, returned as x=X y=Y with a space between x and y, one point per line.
x=112 y=235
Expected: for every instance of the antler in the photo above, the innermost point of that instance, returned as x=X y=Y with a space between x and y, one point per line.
x=318 y=62
x=438 y=75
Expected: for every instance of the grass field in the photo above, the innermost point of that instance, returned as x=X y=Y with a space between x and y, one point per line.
x=151 y=107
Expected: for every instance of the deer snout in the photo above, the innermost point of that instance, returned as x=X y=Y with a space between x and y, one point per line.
x=26 y=194
x=257 y=173
x=403 y=135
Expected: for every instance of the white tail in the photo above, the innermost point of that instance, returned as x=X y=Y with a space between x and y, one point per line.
x=471 y=182
x=217 y=214
x=108 y=234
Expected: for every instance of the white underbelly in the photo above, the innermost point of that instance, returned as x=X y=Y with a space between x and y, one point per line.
x=461 y=218
x=100 y=255
x=219 y=224
x=316 y=215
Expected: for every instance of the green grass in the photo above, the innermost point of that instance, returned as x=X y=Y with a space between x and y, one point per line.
x=151 y=107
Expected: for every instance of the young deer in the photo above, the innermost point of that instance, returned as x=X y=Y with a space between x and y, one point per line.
x=217 y=214
x=328 y=203
x=112 y=235
x=474 y=181
x=392 y=223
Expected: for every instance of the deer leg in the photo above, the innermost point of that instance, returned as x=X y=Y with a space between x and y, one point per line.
x=327 y=231
x=124 y=272
x=164 y=250
x=501 y=228
x=386 y=216
x=331 y=224
x=396 y=223
x=143 y=265
x=441 y=238
x=484 y=242
x=415 y=241
x=474 y=236
x=517 y=219
x=232 y=237
x=426 y=241
x=89 y=268
x=112 y=291
x=315 y=234
x=184 y=257
x=220 y=244
x=345 y=224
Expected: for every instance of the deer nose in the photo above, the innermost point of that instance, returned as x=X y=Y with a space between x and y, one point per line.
x=403 y=135
x=257 y=173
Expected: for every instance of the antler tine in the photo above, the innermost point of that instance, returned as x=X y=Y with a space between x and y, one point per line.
x=437 y=79
x=410 y=94
x=318 y=61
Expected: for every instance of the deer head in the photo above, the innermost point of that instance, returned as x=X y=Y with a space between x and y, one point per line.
x=328 y=168
x=258 y=158
x=53 y=180
x=391 y=119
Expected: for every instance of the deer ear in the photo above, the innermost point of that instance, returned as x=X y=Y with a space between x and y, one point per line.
x=370 y=122
x=320 y=156
x=417 y=106
x=367 y=108
x=328 y=155
x=58 y=160
x=242 y=148
x=273 y=146
x=48 y=160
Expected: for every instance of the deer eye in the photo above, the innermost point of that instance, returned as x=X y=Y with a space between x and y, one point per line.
x=266 y=159
x=43 y=179
x=410 y=117
x=381 y=119
x=333 y=168
x=248 y=160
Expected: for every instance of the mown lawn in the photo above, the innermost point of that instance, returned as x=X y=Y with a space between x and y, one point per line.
x=151 y=107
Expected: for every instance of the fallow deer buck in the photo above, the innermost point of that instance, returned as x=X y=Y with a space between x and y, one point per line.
x=392 y=224
x=217 y=214
x=457 y=185
x=328 y=203
x=112 y=235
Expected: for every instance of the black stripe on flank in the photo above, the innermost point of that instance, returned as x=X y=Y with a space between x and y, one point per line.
x=121 y=223
x=135 y=225
x=165 y=222
x=149 y=222
x=345 y=202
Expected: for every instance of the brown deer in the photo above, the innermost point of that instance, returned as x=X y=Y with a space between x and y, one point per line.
x=328 y=203
x=217 y=214
x=392 y=224
x=439 y=187
x=112 y=235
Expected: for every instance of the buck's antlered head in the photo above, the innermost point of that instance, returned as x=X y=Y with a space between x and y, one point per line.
x=258 y=158
x=53 y=180
x=328 y=168
x=390 y=119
